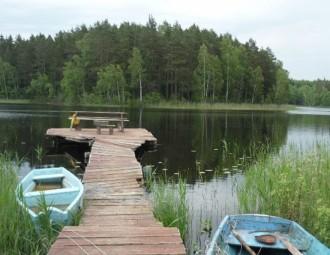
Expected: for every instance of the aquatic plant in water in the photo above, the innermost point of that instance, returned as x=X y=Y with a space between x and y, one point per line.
x=169 y=203
x=293 y=184
x=39 y=153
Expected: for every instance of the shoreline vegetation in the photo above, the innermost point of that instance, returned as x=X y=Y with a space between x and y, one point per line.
x=18 y=233
x=292 y=184
x=174 y=105
x=114 y=64
x=219 y=106
x=110 y=63
x=277 y=182
x=168 y=199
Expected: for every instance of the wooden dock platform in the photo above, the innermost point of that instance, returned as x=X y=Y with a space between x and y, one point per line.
x=118 y=218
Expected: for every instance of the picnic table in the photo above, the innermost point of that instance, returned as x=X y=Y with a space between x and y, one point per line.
x=104 y=119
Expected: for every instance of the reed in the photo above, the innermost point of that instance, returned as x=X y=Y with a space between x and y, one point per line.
x=293 y=184
x=169 y=203
x=39 y=151
x=18 y=234
x=76 y=217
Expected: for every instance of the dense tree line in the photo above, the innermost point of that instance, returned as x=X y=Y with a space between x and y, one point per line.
x=114 y=64
x=311 y=93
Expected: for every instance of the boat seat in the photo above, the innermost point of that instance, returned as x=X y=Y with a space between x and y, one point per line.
x=249 y=237
x=48 y=177
x=49 y=192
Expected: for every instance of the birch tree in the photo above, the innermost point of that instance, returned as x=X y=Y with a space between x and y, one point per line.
x=136 y=70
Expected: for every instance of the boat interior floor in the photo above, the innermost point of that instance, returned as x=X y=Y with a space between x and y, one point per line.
x=261 y=251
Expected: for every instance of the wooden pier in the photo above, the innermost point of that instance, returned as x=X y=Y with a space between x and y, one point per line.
x=118 y=218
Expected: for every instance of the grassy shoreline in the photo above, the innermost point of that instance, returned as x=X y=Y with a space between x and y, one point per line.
x=15 y=101
x=18 y=234
x=292 y=184
x=220 y=106
x=173 y=105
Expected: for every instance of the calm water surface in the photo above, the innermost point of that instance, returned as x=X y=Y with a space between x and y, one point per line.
x=210 y=149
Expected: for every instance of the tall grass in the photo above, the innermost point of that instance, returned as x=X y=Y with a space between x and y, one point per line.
x=169 y=203
x=18 y=234
x=292 y=184
x=39 y=153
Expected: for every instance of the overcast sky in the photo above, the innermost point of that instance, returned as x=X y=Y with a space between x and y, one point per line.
x=298 y=31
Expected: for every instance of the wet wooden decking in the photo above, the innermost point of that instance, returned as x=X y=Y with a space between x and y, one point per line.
x=118 y=218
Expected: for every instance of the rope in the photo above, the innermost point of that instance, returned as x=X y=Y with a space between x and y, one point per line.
x=71 y=239
x=94 y=245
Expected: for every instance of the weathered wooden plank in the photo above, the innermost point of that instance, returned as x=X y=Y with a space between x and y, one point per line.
x=118 y=218
x=107 y=221
x=95 y=212
x=113 y=171
x=122 y=217
x=159 y=249
x=101 y=230
x=136 y=240
x=97 y=195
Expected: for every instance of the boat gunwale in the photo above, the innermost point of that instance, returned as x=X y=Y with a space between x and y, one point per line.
x=65 y=212
x=218 y=235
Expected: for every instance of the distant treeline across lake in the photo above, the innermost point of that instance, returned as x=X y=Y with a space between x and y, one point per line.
x=108 y=64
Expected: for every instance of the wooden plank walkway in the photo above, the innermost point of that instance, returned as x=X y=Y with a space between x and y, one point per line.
x=118 y=218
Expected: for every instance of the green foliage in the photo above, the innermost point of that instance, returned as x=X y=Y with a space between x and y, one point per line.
x=40 y=88
x=231 y=54
x=18 y=234
x=216 y=85
x=311 y=93
x=7 y=79
x=258 y=85
x=207 y=76
x=136 y=71
x=180 y=64
x=219 y=106
x=152 y=98
x=39 y=151
x=76 y=217
x=47 y=229
x=73 y=80
x=200 y=73
x=282 y=86
x=169 y=203
x=111 y=84
x=285 y=184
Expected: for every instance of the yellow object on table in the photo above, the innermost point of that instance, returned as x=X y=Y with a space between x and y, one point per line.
x=75 y=121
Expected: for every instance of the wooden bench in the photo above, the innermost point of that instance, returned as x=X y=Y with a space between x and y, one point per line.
x=104 y=119
x=101 y=123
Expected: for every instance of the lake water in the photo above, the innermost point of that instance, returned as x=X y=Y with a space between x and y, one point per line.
x=210 y=149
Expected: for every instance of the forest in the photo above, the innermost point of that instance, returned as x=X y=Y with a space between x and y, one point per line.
x=117 y=64
x=310 y=93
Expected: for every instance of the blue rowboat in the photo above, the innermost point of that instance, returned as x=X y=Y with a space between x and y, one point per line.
x=60 y=189
x=263 y=234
